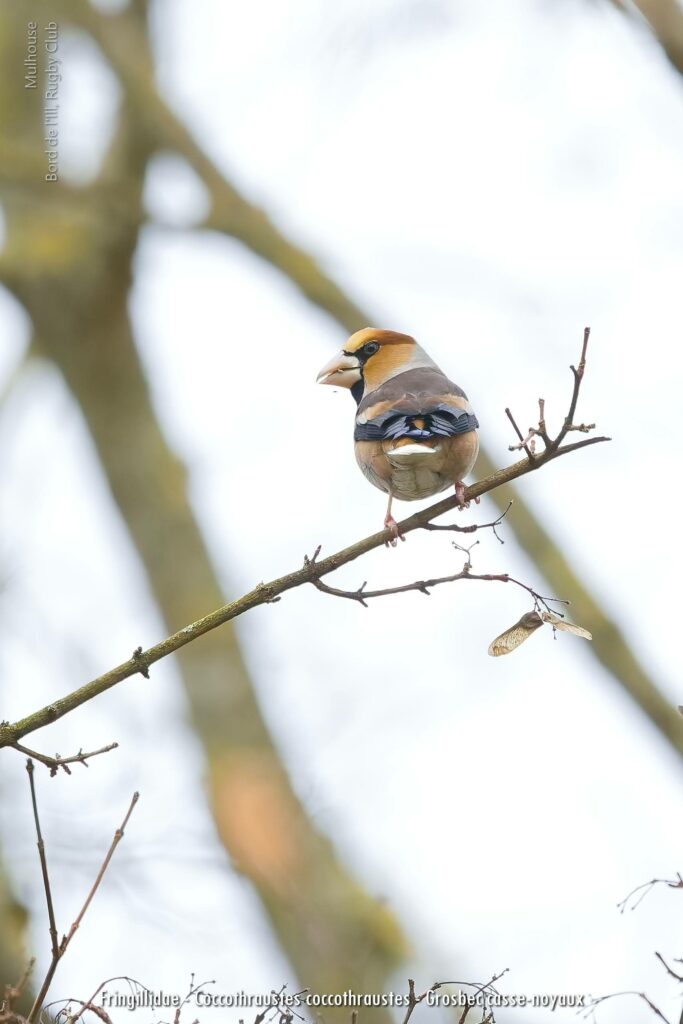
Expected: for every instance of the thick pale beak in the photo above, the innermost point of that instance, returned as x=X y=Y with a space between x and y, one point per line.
x=342 y=371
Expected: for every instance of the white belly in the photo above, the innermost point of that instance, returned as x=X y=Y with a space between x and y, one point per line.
x=416 y=472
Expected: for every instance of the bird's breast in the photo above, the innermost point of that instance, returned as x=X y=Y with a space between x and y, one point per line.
x=414 y=469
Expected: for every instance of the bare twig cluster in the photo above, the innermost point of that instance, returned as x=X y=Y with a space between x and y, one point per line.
x=68 y=1014
x=280 y=1006
x=640 y=892
x=552 y=444
x=59 y=947
x=12 y=993
x=472 y=1000
x=599 y=1000
x=362 y=596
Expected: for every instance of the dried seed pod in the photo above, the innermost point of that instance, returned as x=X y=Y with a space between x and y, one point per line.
x=515 y=635
x=567 y=627
x=528 y=624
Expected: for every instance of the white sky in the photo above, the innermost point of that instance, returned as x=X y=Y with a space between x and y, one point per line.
x=489 y=177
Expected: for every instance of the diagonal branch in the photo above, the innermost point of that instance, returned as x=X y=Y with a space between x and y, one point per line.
x=266 y=593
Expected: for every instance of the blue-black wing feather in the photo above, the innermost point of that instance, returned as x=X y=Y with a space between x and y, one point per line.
x=441 y=421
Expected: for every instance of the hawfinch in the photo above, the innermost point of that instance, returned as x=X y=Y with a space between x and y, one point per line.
x=416 y=433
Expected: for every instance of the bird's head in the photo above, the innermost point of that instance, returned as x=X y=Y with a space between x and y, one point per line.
x=369 y=358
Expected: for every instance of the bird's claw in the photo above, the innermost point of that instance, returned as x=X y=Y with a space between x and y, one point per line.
x=460 y=495
x=391 y=524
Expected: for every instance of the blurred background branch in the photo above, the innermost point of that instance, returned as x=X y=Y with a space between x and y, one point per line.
x=665 y=18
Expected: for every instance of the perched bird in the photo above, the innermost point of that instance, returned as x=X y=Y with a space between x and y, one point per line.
x=416 y=433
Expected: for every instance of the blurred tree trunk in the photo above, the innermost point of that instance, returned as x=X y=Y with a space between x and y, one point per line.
x=68 y=260
x=12 y=914
x=665 y=19
x=13 y=955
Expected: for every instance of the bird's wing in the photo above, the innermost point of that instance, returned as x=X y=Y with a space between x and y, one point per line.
x=420 y=403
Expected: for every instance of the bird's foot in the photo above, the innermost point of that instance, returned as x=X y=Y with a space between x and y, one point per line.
x=460 y=495
x=391 y=524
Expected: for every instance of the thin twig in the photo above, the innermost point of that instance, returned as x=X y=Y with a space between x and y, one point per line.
x=553 y=444
x=473 y=527
x=644 y=889
x=423 y=586
x=523 y=442
x=13 y=992
x=582 y=428
x=57 y=762
x=479 y=987
x=487 y=986
x=669 y=970
x=88 y=1004
x=578 y=377
x=194 y=990
x=60 y=948
x=542 y=430
x=640 y=995
x=118 y=836
x=414 y=1000
x=54 y=941
x=527 y=443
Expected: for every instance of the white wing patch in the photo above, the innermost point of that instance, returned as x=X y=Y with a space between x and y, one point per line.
x=412 y=449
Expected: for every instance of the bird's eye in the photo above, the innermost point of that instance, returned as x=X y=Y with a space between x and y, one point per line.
x=371 y=348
